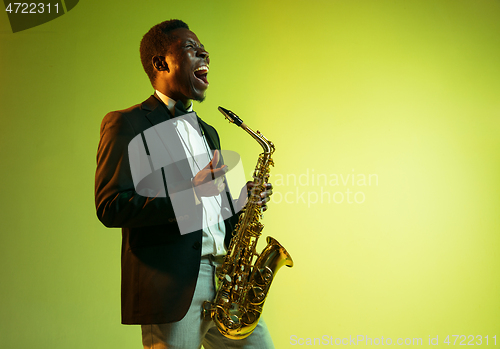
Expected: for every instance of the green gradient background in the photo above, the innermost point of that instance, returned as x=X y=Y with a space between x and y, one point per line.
x=406 y=90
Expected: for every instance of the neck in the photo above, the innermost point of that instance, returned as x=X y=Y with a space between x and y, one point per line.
x=164 y=88
x=170 y=102
x=186 y=102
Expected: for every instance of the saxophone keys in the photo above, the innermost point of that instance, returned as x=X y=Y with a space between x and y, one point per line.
x=206 y=309
x=234 y=321
x=263 y=276
x=257 y=295
x=249 y=317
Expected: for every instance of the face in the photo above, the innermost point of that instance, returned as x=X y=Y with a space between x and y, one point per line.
x=185 y=76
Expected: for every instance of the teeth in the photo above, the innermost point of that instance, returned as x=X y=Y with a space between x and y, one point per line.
x=203 y=67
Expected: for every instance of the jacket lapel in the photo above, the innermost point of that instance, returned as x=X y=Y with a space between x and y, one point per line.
x=157 y=110
x=211 y=136
x=158 y=113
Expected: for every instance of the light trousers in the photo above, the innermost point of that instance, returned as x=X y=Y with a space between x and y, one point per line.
x=193 y=330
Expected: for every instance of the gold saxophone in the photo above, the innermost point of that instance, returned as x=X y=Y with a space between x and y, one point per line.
x=243 y=284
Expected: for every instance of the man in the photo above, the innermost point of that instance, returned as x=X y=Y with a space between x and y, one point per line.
x=167 y=275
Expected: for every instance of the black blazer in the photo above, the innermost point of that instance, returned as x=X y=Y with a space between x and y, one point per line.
x=159 y=265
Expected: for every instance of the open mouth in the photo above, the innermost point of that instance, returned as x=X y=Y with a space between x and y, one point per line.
x=201 y=73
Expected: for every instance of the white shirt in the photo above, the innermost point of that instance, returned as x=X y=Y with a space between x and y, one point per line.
x=199 y=155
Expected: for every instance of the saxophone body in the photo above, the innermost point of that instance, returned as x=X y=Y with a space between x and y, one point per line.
x=244 y=278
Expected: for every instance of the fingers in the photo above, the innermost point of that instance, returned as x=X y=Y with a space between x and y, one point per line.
x=219 y=172
x=209 y=181
x=264 y=196
x=210 y=187
x=213 y=163
x=220 y=184
x=212 y=166
x=215 y=158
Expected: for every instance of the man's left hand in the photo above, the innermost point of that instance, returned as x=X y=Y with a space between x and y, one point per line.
x=264 y=196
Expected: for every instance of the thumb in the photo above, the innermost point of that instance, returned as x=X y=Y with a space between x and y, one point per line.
x=215 y=159
x=217 y=172
x=213 y=163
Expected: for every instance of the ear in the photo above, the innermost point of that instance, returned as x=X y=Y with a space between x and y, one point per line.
x=160 y=63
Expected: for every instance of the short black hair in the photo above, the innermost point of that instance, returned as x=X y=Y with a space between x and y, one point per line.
x=156 y=42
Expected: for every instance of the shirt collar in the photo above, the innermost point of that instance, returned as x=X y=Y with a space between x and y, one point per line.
x=170 y=103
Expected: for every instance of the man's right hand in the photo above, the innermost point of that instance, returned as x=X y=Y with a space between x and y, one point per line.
x=209 y=181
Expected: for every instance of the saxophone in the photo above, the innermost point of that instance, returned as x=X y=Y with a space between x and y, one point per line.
x=242 y=283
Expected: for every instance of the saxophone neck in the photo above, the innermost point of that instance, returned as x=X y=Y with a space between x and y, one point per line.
x=267 y=145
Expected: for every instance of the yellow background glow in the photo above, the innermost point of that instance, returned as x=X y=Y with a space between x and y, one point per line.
x=404 y=91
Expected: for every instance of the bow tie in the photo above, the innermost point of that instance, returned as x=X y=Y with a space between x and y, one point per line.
x=180 y=109
x=188 y=116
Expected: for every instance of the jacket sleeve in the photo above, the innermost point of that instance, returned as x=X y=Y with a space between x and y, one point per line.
x=117 y=202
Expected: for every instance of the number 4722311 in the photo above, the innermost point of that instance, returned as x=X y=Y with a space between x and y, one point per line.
x=470 y=340
x=23 y=7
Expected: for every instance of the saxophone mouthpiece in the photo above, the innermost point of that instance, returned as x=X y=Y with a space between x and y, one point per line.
x=232 y=117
